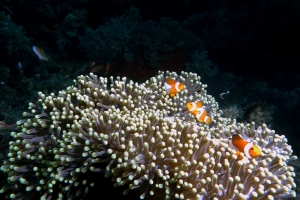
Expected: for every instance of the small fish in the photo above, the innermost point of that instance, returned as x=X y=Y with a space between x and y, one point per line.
x=20 y=67
x=198 y=110
x=40 y=53
x=224 y=94
x=238 y=143
x=96 y=68
x=172 y=87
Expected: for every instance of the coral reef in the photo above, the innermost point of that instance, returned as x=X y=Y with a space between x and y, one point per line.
x=76 y=43
x=143 y=139
x=260 y=113
x=232 y=112
x=12 y=37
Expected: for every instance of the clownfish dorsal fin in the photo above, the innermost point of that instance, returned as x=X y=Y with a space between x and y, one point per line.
x=236 y=136
x=170 y=81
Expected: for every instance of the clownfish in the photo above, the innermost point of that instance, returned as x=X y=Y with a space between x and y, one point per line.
x=238 y=143
x=172 y=87
x=197 y=109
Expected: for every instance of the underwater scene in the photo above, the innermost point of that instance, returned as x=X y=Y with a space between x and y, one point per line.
x=130 y=99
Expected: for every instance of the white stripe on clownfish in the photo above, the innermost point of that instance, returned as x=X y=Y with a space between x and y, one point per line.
x=167 y=87
x=206 y=119
x=178 y=87
x=240 y=145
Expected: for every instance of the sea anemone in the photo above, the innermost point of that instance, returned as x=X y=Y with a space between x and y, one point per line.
x=143 y=139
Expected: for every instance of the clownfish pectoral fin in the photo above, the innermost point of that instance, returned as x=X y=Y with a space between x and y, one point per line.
x=172 y=94
x=239 y=155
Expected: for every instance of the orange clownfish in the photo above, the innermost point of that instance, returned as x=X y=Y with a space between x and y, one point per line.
x=197 y=109
x=241 y=145
x=172 y=87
